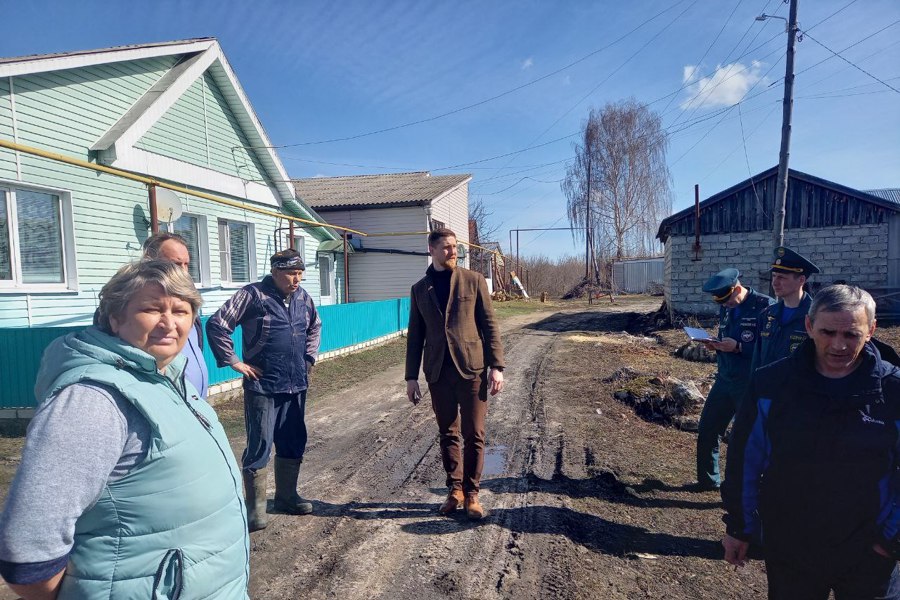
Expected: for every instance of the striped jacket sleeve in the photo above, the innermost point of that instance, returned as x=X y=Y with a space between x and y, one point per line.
x=223 y=323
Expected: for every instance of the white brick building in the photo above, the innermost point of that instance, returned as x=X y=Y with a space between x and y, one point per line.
x=850 y=235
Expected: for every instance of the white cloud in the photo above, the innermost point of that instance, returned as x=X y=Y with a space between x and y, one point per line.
x=726 y=86
x=527 y=63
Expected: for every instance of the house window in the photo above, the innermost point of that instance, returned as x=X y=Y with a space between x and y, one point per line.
x=324 y=275
x=236 y=252
x=35 y=239
x=300 y=245
x=189 y=227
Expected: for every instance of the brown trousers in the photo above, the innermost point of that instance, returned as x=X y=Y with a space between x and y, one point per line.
x=460 y=405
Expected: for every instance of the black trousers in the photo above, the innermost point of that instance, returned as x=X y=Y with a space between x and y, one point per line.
x=277 y=419
x=866 y=577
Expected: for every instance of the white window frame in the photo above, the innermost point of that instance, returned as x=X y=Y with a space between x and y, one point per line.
x=331 y=271
x=251 y=250
x=67 y=231
x=202 y=249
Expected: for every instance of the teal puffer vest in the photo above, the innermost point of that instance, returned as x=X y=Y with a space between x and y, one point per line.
x=175 y=525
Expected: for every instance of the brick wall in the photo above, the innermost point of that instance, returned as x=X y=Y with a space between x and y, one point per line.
x=857 y=254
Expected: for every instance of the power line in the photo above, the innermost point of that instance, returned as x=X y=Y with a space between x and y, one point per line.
x=856 y=43
x=481 y=102
x=852 y=64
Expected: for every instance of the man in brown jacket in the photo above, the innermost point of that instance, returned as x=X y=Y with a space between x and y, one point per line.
x=451 y=318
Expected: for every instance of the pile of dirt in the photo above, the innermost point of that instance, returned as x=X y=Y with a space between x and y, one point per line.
x=661 y=399
x=584 y=287
x=696 y=352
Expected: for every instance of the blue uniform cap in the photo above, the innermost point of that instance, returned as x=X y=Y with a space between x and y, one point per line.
x=722 y=284
x=788 y=261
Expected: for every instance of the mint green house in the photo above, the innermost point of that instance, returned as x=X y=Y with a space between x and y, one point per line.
x=170 y=111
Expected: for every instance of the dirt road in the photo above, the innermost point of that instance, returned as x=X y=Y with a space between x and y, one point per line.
x=586 y=500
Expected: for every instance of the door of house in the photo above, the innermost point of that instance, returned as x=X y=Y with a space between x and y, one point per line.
x=326 y=279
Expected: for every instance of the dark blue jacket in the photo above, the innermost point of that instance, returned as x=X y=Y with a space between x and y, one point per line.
x=740 y=323
x=813 y=462
x=279 y=339
x=777 y=340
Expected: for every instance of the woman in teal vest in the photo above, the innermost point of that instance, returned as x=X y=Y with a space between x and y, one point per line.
x=128 y=487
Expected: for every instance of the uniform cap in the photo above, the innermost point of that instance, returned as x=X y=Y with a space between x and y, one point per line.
x=788 y=261
x=722 y=284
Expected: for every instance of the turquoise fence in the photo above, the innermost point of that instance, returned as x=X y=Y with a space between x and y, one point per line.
x=343 y=325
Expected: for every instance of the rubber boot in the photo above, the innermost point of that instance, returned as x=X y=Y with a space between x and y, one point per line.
x=287 y=470
x=255 y=497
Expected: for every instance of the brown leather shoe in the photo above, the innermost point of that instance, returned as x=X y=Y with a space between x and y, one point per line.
x=454 y=499
x=474 y=510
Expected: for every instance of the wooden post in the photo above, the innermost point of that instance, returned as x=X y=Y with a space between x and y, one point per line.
x=154 y=215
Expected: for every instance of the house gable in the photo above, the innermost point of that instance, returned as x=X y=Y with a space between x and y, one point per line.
x=201 y=129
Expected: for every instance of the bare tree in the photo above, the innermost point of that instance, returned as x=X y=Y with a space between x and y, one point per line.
x=618 y=187
x=481 y=230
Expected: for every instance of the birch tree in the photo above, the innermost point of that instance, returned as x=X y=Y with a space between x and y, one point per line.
x=618 y=187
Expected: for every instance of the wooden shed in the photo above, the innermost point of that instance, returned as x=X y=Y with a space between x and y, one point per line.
x=851 y=235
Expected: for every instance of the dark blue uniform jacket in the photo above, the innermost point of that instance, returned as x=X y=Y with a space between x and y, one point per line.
x=740 y=323
x=278 y=337
x=813 y=464
x=777 y=340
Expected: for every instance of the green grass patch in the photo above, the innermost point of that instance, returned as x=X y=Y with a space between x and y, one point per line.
x=513 y=308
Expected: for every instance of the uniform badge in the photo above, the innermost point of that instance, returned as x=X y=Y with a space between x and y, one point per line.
x=746 y=336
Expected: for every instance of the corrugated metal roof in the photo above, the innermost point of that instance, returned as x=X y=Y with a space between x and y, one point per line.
x=887 y=194
x=396 y=189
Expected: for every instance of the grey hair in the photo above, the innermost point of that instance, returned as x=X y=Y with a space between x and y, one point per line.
x=839 y=298
x=133 y=277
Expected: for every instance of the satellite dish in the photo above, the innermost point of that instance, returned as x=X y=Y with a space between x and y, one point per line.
x=168 y=205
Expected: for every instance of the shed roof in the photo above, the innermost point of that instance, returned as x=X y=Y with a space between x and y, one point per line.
x=377 y=191
x=724 y=195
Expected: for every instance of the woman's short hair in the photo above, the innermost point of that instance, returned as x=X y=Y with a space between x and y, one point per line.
x=133 y=277
x=840 y=298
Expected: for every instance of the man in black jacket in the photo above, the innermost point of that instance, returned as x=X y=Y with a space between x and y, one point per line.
x=813 y=467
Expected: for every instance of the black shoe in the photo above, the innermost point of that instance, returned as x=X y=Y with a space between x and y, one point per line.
x=705 y=487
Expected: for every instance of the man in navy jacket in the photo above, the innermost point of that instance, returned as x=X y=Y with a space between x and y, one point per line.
x=813 y=467
x=281 y=331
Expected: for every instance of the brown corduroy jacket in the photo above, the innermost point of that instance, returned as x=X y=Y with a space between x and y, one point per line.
x=467 y=325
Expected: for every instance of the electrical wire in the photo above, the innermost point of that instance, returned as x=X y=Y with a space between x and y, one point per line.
x=852 y=64
x=481 y=102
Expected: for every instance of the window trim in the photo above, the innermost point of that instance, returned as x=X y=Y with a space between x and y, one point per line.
x=68 y=246
x=226 y=282
x=202 y=248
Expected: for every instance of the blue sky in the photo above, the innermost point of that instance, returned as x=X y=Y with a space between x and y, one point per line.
x=317 y=71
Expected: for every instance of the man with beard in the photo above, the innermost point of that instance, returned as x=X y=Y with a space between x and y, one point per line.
x=452 y=321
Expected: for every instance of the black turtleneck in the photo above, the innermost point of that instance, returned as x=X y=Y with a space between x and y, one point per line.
x=441 y=280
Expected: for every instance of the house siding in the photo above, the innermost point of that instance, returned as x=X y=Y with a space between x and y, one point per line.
x=200 y=129
x=67 y=112
x=381 y=276
x=453 y=209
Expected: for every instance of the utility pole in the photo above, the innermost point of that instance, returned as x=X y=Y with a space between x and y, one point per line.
x=587 y=223
x=782 y=182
